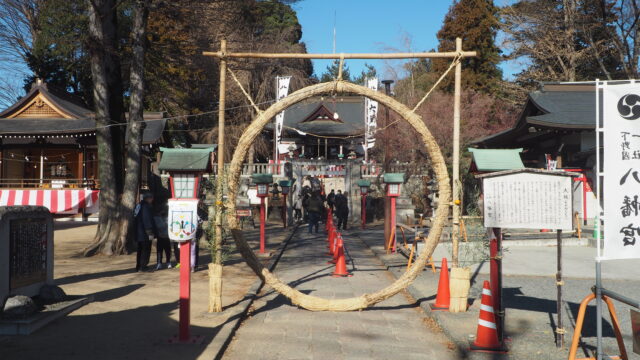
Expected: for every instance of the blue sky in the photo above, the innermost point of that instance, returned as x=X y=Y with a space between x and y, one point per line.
x=373 y=26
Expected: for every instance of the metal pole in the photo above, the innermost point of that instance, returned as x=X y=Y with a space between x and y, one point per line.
x=598 y=309
x=364 y=211
x=284 y=210
x=185 y=290
x=599 y=193
x=495 y=276
x=456 y=157
x=262 y=220
x=559 y=328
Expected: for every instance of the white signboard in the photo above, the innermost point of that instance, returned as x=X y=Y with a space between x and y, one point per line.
x=528 y=201
x=621 y=123
x=183 y=219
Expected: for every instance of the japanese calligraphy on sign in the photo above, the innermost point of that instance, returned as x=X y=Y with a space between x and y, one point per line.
x=526 y=200
x=620 y=105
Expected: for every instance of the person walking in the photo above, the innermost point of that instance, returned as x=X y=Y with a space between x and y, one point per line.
x=342 y=209
x=315 y=206
x=331 y=198
x=162 y=244
x=145 y=230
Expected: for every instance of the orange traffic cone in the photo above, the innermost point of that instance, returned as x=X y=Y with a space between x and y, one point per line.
x=443 y=297
x=487 y=335
x=341 y=263
x=338 y=242
x=332 y=240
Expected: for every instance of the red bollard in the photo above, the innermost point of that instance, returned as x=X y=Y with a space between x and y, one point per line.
x=185 y=290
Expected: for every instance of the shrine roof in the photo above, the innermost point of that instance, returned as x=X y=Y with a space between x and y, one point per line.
x=46 y=109
x=555 y=106
x=312 y=116
x=489 y=160
x=178 y=159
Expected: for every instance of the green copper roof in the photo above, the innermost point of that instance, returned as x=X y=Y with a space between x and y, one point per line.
x=288 y=183
x=262 y=178
x=185 y=159
x=364 y=183
x=497 y=159
x=393 y=178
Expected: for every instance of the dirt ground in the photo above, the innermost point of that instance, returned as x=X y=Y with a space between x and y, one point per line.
x=132 y=314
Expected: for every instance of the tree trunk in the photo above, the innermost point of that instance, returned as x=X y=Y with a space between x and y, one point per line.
x=135 y=123
x=102 y=46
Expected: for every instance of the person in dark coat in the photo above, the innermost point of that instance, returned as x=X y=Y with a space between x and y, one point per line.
x=331 y=199
x=163 y=245
x=145 y=230
x=315 y=207
x=342 y=210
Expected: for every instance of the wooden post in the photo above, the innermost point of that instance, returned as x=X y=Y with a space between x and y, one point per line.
x=215 y=269
x=456 y=158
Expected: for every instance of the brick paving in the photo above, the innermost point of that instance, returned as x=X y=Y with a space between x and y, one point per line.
x=396 y=328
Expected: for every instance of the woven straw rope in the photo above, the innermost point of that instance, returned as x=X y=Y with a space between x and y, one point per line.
x=310 y=302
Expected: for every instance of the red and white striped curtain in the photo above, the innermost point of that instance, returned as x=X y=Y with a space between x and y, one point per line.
x=57 y=201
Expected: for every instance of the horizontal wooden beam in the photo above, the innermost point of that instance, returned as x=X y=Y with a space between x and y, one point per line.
x=418 y=55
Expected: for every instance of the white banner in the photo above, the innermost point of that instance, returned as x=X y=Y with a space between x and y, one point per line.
x=371 y=114
x=621 y=137
x=183 y=219
x=282 y=89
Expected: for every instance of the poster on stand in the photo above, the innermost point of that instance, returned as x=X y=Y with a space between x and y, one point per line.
x=183 y=219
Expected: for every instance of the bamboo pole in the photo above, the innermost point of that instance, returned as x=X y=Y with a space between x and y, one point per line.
x=215 y=269
x=456 y=158
x=419 y=55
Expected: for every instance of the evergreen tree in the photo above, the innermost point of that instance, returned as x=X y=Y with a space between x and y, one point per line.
x=476 y=22
x=331 y=73
x=368 y=73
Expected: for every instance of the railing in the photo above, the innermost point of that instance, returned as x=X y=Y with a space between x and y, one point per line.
x=373 y=170
x=53 y=184
x=366 y=170
x=248 y=169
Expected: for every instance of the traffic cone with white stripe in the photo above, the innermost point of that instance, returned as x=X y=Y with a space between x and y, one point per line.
x=487 y=334
x=443 y=297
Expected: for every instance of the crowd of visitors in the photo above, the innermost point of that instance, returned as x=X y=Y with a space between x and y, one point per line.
x=312 y=205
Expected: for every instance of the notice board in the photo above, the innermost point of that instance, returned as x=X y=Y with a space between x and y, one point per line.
x=528 y=200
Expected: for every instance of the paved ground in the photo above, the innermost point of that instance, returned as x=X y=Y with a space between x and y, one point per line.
x=396 y=328
x=133 y=314
x=529 y=296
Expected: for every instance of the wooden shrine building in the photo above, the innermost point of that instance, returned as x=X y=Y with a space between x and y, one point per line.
x=48 y=142
x=323 y=127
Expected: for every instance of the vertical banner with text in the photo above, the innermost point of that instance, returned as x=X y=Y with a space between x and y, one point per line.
x=282 y=90
x=621 y=155
x=371 y=115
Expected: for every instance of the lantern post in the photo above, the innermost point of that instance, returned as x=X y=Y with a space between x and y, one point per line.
x=262 y=182
x=364 y=189
x=394 y=184
x=285 y=186
x=185 y=168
